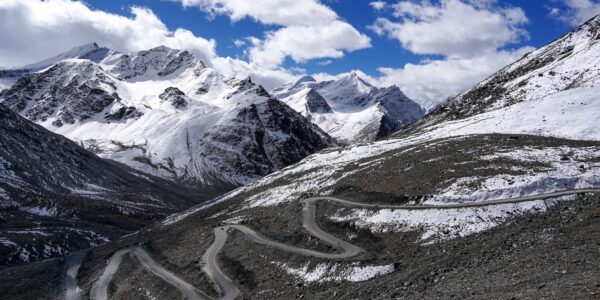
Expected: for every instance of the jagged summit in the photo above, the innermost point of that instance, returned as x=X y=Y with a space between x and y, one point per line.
x=350 y=108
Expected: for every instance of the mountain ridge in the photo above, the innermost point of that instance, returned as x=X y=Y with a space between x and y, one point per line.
x=349 y=108
x=162 y=111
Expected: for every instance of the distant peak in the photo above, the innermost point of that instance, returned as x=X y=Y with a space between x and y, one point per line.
x=354 y=78
x=88 y=47
x=305 y=78
x=161 y=48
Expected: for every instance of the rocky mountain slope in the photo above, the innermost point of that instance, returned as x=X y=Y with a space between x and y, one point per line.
x=408 y=253
x=350 y=109
x=163 y=112
x=56 y=197
x=552 y=83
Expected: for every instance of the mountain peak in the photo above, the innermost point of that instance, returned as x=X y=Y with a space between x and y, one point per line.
x=305 y=78
x=83 y=51
x=354 y=79
x=161 y=48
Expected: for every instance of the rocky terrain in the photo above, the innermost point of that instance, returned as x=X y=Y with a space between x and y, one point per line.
x=350 y=109
x=56 y=197
x=409 y=253
x=163 y=112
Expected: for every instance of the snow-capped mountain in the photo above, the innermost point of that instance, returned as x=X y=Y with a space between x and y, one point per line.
x=551 y=91
x=350 y=109
x=162 y=111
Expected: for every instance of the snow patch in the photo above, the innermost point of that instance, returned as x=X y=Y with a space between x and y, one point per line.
x=41 y=211
x=440 y=224
x=328 y=272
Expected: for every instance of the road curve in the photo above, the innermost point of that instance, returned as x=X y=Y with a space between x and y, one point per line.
x=74 y=261
x=100 y=288
x=461 y=205
x=227 y=288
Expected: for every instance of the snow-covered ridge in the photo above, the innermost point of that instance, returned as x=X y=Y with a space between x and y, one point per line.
x=164 y=112
x=350 y=109
x=572 y=61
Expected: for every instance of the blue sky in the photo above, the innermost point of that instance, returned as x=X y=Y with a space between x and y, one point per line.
x=543 y=28
x=431 y=49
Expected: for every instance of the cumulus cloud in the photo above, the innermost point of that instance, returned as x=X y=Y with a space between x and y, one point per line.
x=470 y=50
x=303 y=43
x=378 y=5
x=272 y=12
x=575 y=12
x=432 y=81
x=267 y=77
x=239 y=43
x=32 y=30
x=307 y=29
x=426 y=28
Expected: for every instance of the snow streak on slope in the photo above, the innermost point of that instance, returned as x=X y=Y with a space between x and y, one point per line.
x=327 y=272
x=350 y=109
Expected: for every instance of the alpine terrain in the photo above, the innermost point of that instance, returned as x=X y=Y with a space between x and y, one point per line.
x=56 y=197
x=350 y=109
x=163 y=112
x=495 y=194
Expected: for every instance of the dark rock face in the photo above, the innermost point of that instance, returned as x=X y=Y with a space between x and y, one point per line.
x=398 y=109
x=175 y=96
x=73 y=91
x=123 y=113
x=263 y=138
x=315 y=103
x=241 y=86
x=160 y=61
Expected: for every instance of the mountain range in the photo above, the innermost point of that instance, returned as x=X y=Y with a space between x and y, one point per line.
x=163 y=112
x=350 y=109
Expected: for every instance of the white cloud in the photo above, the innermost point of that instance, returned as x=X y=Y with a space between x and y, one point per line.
x=269 y=78
x=470 y=35
x=32 y=30
x=308 y=29
x=426 y=28
x=575 y=12
x=378 y=5
x=273 y=12
x=433 y=81
x=239 y=43
x=303 y=43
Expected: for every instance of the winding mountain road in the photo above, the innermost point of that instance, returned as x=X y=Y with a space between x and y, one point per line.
x=100 y=289
x=227 y=288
